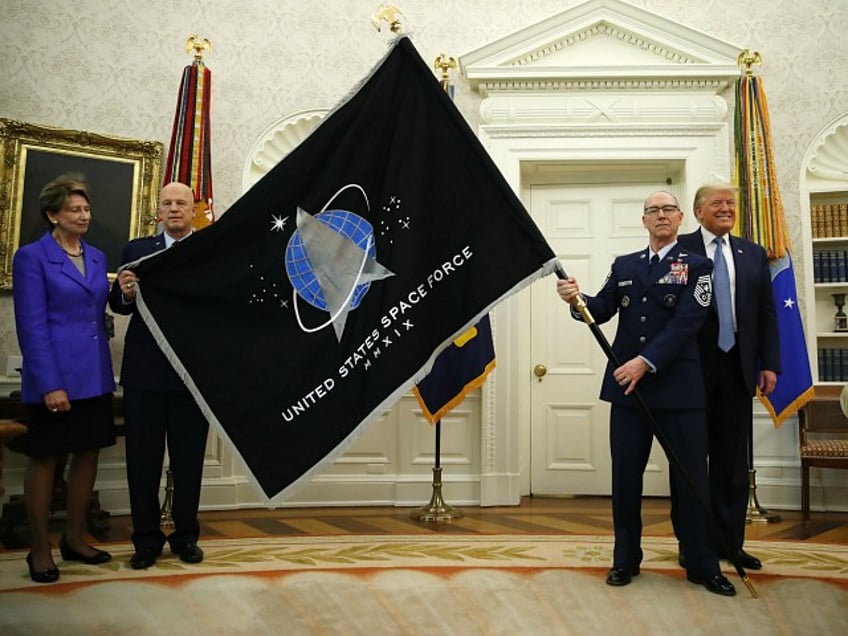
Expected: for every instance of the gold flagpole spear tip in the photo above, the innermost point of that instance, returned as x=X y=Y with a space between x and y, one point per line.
x=198 y=45
x=388 y=13
x=748 y=58
x=446 y=64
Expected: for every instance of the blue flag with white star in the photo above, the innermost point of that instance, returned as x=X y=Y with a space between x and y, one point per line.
x=330 y=288
x=795 y=385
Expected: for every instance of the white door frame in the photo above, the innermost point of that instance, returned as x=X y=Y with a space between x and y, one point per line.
x=702 y=149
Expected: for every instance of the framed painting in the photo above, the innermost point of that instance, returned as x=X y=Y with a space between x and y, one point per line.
x=122 y=176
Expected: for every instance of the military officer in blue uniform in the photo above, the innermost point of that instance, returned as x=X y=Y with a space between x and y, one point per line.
x=662 y=295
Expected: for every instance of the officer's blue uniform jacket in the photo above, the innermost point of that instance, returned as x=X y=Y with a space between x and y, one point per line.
x=659 y=316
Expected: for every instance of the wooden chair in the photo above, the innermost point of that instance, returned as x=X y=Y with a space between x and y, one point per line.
x=13 y=514
x=823 y=436
x=9 y=429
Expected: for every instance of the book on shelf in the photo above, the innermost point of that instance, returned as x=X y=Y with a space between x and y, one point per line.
x=816 y=221
x=833 y=364
x=830 y=266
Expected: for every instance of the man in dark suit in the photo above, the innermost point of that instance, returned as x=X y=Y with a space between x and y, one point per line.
x=158 y=407
x=662 y=296
x=733 y=371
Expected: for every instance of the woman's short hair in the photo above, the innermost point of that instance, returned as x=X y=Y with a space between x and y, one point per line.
x=54 y=195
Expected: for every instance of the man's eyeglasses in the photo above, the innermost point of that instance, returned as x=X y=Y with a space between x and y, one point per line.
x=665 y=209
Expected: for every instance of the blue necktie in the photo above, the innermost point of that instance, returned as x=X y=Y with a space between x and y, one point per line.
x=723 y=301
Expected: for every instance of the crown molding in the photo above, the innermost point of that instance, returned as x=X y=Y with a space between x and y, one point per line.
x=603 y=45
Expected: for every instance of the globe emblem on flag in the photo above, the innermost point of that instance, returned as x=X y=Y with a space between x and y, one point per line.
x=299 y=268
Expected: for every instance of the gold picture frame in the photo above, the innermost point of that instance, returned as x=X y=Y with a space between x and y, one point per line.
x=122 y=175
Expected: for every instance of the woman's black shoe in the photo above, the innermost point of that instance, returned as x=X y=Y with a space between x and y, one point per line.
x=50 y=575
x=69 y=554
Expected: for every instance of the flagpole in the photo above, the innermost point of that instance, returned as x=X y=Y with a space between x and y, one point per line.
x=755 y=513
x=438 y=509
x=581 y=307
x=191 y=168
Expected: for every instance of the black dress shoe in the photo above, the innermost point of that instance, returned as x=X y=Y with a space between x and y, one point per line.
x=69 y=554
x=717 y=584
x=190 y=553
x=621 y=576
x=748 y=561
x=143 y=558
x=50 y=575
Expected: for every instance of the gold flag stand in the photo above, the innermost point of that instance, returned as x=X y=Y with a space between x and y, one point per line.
x=756 y=513
x=166 y=520
x=437 y=509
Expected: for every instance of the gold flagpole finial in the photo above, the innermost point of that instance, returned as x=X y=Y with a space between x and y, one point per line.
x=445 y=64
x=387 y=13
x=198 y=45
x=748 y=58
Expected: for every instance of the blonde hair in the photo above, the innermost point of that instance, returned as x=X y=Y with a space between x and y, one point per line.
x=706 y=190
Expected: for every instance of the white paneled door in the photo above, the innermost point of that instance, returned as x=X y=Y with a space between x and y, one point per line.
x=587 y=225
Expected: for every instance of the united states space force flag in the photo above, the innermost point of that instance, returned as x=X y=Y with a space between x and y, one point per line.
x=331 y=286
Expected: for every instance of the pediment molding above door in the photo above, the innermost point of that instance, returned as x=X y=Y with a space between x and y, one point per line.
x=602 y=45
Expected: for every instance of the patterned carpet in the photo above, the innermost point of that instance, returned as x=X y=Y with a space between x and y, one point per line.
x=413 y=584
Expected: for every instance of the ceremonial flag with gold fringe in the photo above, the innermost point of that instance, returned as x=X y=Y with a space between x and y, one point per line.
x=761 y=219
x=333 y=284
x=465 y=364
x=189 y=155
x=458 y=370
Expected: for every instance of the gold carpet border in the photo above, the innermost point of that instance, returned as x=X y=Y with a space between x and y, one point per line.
x=292 y=554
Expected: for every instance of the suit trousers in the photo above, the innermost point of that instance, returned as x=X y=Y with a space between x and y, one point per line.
x=631 y=437
x=152 y=420
x=729 y=421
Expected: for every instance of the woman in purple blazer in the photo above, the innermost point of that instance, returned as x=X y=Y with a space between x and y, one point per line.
x=60 y=291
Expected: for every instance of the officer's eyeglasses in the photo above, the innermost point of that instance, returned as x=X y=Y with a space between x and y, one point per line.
x=665 y=209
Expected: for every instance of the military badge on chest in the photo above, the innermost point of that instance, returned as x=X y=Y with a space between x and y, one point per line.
x=678 y=274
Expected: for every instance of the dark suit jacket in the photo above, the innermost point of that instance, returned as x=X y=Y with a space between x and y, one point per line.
x=658 y=318
x=144 y=365
x=756 y=319
x=61 y=322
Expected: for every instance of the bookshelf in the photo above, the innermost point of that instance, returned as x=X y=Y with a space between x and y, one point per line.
x=824 y=220
x=829 y=230
x=824 y=224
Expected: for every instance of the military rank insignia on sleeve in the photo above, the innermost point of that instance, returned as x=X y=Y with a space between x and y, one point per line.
x=704 y=290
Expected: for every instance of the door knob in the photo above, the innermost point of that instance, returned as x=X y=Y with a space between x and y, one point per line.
x=539 y=371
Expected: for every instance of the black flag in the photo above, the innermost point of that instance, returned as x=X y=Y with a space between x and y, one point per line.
x=329 y=288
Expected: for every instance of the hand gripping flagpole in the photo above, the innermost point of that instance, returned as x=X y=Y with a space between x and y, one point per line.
x=580 y=305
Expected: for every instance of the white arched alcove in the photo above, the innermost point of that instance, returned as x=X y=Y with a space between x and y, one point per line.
x=823 y=181
x=276 y=141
